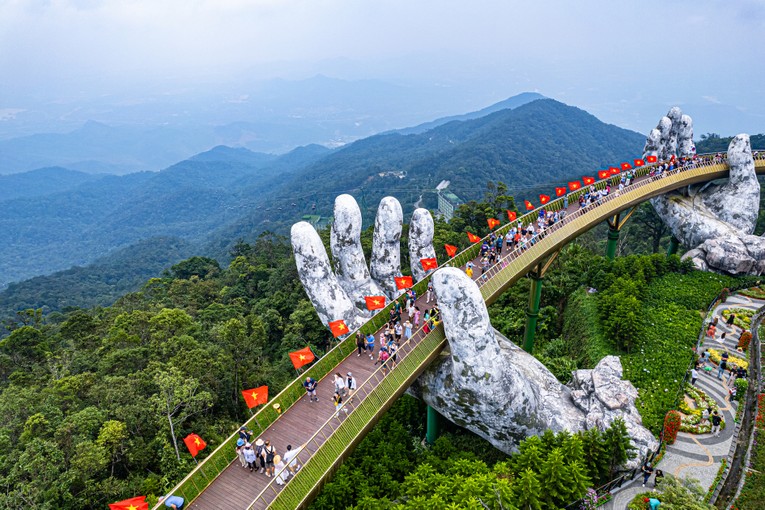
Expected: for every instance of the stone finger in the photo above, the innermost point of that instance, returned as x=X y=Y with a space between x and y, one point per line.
x=386 y=248
x=421 y=230
x=349 y=261
x=323 y=289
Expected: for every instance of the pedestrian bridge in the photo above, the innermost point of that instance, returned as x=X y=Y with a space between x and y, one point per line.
x=219 y=482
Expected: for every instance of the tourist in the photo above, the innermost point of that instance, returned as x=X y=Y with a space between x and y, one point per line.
x=269 y=452
x=240 y=452
x=647 y=472
x=359 y=343
x=658 y=478
x=245 y=434
x=350 y=383
x=694 y=376
x=260 y=454
x=469 y=271
x=170 y=501
x=429 y=292
x=291 y=458
x=250 y=457
x=382 y=358
x=310 y=388
x=716 y=421
x=393 y=352
x=407 y=330
x=721 y=368
x=340 y=385
x=370 y=346
x=704 y=416
x=398 y=330
x=282 y=473
x=417 y=314
x=337 y=399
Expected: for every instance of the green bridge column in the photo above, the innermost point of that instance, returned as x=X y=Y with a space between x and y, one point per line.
x=532 y=314
x=613 y=242
x=674 y=244
x=433 y=426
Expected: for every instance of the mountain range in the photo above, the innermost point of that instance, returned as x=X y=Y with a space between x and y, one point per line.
x=205 y=204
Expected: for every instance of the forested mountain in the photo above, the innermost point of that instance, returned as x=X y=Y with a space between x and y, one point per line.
x=532 y=148
x=712 y=142
x=226 y=194
x=41 y=182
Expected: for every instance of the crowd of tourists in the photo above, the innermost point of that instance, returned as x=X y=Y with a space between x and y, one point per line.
x=262 y=457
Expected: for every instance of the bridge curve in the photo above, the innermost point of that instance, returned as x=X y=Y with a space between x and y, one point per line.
x=220 y=483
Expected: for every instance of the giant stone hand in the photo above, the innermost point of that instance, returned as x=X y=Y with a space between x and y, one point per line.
x=483 y=382
x=715 y=219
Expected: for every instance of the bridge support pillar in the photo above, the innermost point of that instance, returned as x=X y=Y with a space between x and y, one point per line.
x=532 y=314
x=613 y=242
x=433 y=426
x=674 y=244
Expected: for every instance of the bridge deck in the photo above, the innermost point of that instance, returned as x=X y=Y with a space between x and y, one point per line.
x=238 y=489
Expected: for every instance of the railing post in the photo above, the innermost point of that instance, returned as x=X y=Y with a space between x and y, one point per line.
x=433 y=426
x=532 y=314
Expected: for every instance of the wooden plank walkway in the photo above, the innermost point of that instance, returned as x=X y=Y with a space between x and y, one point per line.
x=237 y=488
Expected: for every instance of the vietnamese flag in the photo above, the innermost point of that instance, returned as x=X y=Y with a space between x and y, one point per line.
x=574 y=185
x=511 y=215
x=588 y=180
x=613 y=170
x=451 y=250
x=651 y=159
x=375 y=302
x=473 y=238
x=304 y=355
x=493 y=222
x=255 y=396
x=137 y=503
x=338 y=328
x=403 y=282
x=543 y=199
x=529 y=205
x=639 y=162
x=428 y=264
x=559 y=192
x=194 y=443
x=602 y=174
x=626 y=166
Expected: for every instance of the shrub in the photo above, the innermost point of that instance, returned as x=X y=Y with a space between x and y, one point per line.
x=744 y=340
x=741 y=387
x=672 y=423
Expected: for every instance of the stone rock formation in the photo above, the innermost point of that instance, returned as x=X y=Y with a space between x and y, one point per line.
x=489 y=385
x=386 y=250
x=715 y=218
x=485 y=382
x=421 y=231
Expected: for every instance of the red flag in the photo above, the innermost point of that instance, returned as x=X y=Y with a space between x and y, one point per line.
x=375 y=302
x=493 y=222
x=338 y=328
x=194 y=443
x=574 y=185
x=639 y=162
x=529 y=205
x=588 y=180
x=511 y=215
x=451 y=250
x=428 y=264
x=255 y=396
x=613 y=170
x=304 y=355
x=559 y=192
x=672 y=158
x=543 y=199
x=626 y=166
x=473 y=238
x=651 y=159
x=403 y=282
x=137 y=503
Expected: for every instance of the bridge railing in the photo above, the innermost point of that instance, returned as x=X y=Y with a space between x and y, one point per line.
x=211 y=467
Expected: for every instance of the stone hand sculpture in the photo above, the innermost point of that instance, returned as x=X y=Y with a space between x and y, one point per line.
x=483 y=382
x=715 y=219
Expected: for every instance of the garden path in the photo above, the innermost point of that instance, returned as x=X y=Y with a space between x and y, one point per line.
x=699 y=455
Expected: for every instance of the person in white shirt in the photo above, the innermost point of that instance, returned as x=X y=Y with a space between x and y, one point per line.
x=290 y=458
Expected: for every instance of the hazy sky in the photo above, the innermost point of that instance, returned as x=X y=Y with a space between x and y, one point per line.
x=625 y=62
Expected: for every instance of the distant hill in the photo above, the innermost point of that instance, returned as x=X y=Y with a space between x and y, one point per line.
x=41 y=182
x=187 y=200
x=507 y=104
x=715 y=143
x=98 y=284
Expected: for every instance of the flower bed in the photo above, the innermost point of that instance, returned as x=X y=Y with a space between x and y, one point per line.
x=743 y=316
x=754 y=292
x=716 y=356
x=691 y=422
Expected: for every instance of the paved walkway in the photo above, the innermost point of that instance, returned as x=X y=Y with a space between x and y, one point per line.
x=699 y=455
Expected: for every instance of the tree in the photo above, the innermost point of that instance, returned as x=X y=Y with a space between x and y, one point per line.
x=618 y=445
x=559 y=488
x=112 y=438
x=178 y=398
x=527 y=490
